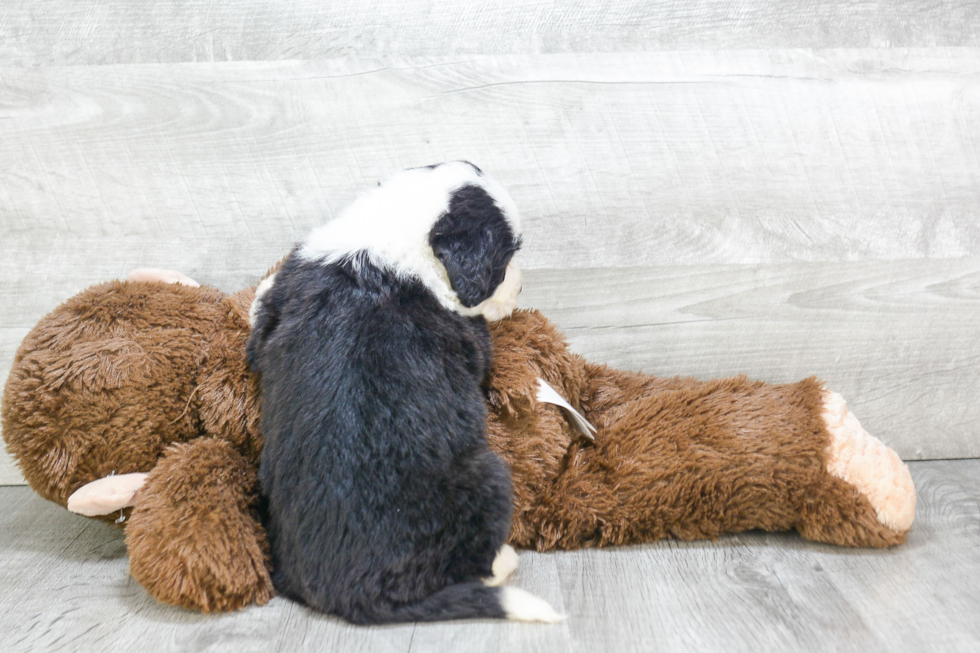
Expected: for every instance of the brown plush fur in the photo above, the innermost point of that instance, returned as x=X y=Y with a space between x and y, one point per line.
x=200 y=493
x=150 y=377
x=672 y=457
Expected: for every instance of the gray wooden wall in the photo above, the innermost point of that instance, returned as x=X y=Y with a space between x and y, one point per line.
x=776 y=188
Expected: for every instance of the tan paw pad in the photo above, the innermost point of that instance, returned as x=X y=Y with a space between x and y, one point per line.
x=857 y=457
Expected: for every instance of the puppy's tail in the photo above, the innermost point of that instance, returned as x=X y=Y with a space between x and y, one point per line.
x=472 y=601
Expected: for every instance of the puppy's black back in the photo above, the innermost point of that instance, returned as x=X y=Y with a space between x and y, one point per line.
x=384 y=502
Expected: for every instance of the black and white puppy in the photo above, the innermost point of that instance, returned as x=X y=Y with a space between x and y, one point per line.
x=384 y=503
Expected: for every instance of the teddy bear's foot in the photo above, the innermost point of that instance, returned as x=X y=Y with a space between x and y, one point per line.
x=503 y=566
x=161 y=276
x=860 y=459
x=193 y=538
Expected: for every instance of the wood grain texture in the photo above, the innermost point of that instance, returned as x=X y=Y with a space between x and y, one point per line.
x=9 y=473
x=58 y=32
x=66 y=588
x=775 y=592
x=615 y=160
x=10 y=338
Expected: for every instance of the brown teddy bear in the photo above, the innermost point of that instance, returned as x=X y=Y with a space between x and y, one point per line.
x=133 y=399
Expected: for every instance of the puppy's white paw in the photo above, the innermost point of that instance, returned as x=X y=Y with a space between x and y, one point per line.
x=503 y=566
x=521 y=606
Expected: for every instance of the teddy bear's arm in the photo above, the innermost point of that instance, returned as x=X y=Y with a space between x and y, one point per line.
x=605 y=388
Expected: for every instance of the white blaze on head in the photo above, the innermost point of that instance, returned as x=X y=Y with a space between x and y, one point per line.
x=391 y=223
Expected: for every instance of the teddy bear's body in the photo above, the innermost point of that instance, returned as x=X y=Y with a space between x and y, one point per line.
x=151 y=377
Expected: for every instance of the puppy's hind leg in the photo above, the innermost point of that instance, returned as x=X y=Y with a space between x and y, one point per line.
x=503 y=566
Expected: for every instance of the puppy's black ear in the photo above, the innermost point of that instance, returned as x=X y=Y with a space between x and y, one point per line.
x=475 y=243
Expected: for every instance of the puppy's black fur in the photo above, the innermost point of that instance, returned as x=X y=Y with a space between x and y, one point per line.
x=384 y=503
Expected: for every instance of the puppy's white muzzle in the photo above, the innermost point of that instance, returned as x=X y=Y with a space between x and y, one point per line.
x=504 y=299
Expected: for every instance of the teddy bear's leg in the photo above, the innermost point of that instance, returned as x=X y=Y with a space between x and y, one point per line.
x=162 y=276
x=695 y=459
x=869 y=498
x=194 y=539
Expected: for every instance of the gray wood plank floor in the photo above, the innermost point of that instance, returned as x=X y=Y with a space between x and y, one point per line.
x=70 y=32
x=65 y=588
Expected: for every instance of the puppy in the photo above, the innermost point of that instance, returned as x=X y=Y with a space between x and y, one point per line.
x=384 y=503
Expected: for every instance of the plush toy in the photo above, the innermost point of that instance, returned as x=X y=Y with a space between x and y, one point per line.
x=141 y=389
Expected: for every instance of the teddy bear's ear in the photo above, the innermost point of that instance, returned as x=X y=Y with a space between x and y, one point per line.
x=474 y=242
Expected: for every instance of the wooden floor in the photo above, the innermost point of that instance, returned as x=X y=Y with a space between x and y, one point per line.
x=65 y=587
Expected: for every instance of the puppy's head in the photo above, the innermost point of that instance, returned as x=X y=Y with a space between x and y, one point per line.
x=475 y=240
x=448 y=225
